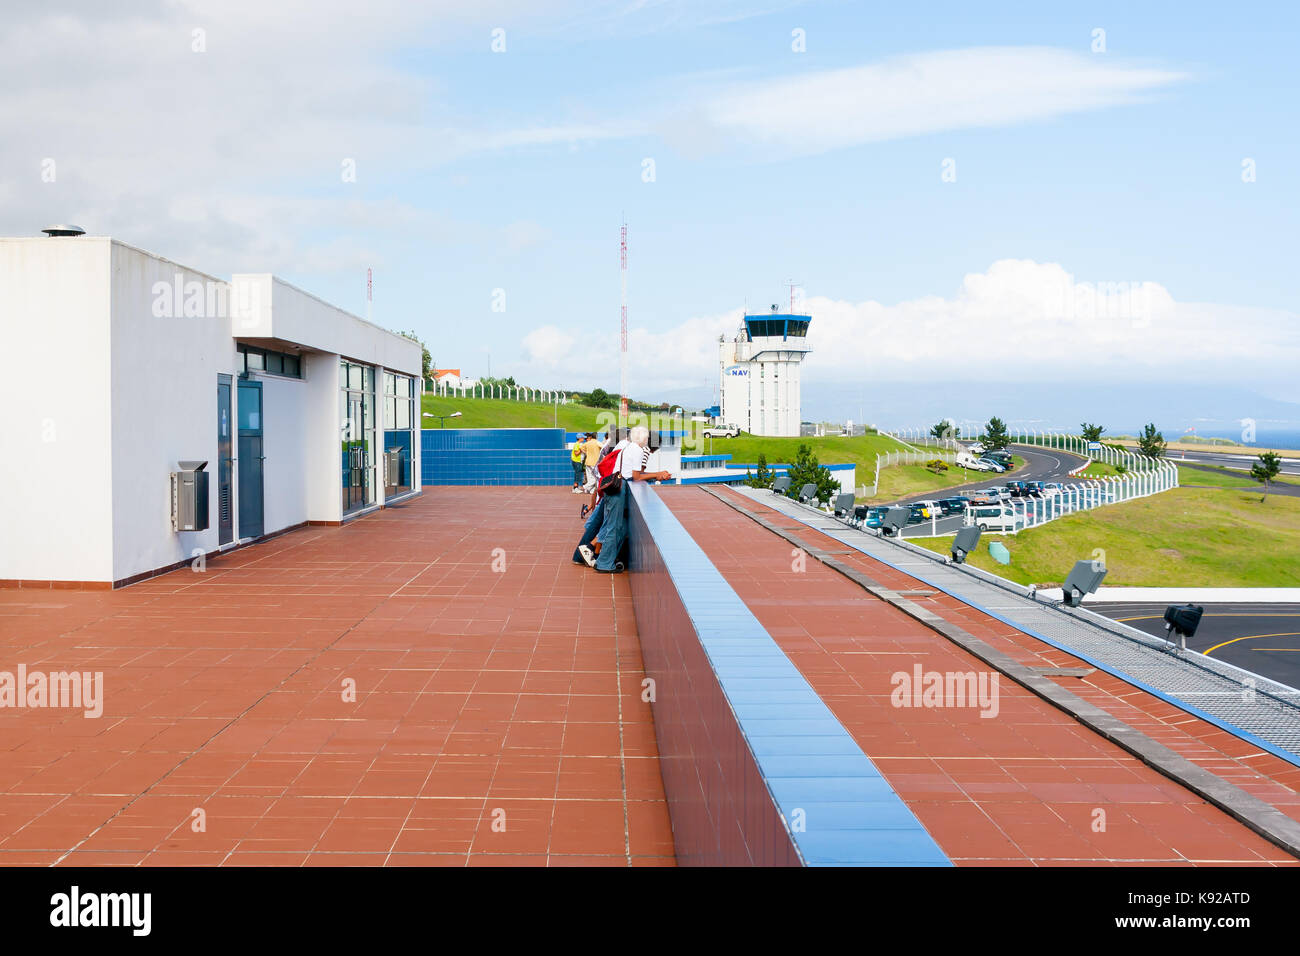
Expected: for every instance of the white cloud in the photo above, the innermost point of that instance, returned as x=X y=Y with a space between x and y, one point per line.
x=548 y=347
x=920 y=93
x=1018 y=321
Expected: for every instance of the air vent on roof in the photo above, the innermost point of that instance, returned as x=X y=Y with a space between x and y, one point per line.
x=64 y=231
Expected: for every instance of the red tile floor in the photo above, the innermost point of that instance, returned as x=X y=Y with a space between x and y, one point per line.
x=497 y=716
x=1022 y=788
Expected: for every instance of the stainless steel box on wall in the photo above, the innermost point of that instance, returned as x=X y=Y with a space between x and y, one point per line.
x=189 y=492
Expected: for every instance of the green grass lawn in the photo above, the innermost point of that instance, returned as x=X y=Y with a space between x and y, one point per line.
x=1225 y=478
x=1099 y=469
x=505 y=413
x=901 y=481
x=1189 y=537
x=858 y=450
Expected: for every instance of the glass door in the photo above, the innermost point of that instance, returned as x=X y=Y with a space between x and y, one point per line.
x=251 y=460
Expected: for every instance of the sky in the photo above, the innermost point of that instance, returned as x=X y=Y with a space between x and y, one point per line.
x=1106 y=191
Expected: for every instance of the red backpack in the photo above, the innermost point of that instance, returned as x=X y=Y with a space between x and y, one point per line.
x=607 y=469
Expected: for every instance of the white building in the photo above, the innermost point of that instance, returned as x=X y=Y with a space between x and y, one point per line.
x=759 y=373
x=121 y=364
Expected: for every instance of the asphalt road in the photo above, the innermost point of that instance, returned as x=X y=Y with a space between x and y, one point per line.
x=1040 y=465
x=1261 y=638
x=1224 y=459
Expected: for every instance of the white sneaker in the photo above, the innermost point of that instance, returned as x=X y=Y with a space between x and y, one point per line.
x=587 y=555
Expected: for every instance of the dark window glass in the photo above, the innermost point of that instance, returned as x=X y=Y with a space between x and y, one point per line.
x=275 y=363
x=292 y=366
x=255 y=362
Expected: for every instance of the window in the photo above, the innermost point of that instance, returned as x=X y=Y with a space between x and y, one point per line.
x=252 y=359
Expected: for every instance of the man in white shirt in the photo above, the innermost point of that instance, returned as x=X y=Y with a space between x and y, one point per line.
x=633 y=456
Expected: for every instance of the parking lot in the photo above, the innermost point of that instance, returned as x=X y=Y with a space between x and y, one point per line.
x=1040 y=465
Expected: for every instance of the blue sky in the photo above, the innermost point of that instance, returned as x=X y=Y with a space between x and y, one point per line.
x=481 y=170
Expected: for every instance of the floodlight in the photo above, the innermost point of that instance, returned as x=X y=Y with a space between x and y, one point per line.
x=843 y=503
x=782 y=484
x=967 y=540
x=1182 y=620
x=1084 y=579
x=894 y=521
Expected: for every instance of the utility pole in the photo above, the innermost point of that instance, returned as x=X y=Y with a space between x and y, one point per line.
x=622 y=358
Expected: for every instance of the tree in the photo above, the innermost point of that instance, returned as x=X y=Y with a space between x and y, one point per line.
x=1091 y=432
x=943 y=430
x=1266 y=469
x=806 y=469
x=764 y=478
x=995 y=435
x=1151 y=443
x=426 y=360
x=599 y=398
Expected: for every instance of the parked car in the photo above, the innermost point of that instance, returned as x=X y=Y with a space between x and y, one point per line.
x=1051 y=488
x=1034 y=488
x=984 y=496
x=955 y=505
x=997 y=518
x=1003 y=458
x=721 y=431
x=932 y=508
x=993 y=466
x=1018 y=489
x=917 y=513
x=966 y=460
x=874 y=518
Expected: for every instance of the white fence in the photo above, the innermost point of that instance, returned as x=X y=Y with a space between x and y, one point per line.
x=1143 y=476
x=1084 y=495
x=518 y=393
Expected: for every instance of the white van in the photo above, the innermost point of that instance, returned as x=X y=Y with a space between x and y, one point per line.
x=1000 y=519
x=966 y=460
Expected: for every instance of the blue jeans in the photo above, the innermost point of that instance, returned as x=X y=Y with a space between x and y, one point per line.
x=592 y=526
x=613 y=530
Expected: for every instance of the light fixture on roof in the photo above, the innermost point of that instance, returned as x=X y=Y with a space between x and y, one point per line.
x=63 y=230
x=967 y=540
x=1181 y=620
x=1084 y=579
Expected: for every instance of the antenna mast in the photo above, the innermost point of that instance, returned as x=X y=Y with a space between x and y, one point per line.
x=622 y=358
x=369 y=292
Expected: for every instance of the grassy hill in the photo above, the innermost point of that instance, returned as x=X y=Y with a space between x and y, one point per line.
x=505 y=413
x=858 y=450
x=1190 y=537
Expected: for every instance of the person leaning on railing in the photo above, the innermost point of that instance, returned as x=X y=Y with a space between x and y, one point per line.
x=603 y=553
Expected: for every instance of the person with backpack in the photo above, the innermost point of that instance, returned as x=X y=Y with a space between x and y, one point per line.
x=630 y=461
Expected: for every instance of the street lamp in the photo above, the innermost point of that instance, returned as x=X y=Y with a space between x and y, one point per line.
x=442 y=419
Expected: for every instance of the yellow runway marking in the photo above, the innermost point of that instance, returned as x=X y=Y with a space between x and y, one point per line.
x=1161 y=617
x=1249 y=637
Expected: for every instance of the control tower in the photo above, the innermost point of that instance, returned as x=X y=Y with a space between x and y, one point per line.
x=759 y=373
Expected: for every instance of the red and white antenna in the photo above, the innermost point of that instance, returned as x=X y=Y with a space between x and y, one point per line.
x=370 y=288
x=622 y=358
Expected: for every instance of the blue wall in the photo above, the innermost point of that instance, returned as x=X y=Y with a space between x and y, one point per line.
x=746 y=746
x=494 y=456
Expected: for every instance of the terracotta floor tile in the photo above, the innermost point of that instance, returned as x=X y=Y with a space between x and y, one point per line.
x=470 y=688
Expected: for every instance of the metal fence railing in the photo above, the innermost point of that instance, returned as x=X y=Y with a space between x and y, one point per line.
x=1138 y=476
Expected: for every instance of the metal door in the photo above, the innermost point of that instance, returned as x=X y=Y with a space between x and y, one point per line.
x=225 y=517
x=251 y=460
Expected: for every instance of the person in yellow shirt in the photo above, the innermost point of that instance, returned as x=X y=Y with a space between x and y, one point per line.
x=576 y=458
x=591 y=451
